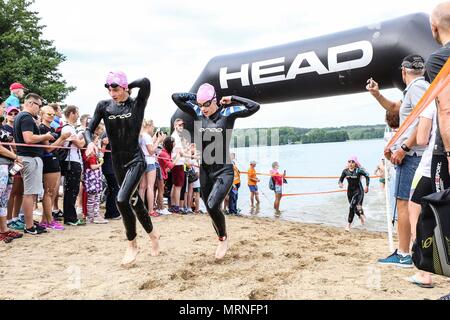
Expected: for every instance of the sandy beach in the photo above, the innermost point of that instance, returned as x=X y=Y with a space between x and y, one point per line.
x=268 y=259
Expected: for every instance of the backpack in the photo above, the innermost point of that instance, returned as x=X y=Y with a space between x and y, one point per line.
x=271 y=184
x=431 y=250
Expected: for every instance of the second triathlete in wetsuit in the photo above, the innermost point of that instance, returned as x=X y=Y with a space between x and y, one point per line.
x=123 y=118
x=213 y=126
x=355 y=191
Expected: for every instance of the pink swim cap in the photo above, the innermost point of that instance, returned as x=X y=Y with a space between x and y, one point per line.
x=206 y=92
x=355 y=159
x=117 y=77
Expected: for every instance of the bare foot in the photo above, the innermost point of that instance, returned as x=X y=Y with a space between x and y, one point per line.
x=154 y=239
x=347 y=228
x=222 y=249
x=131 y=254
x=363 y=219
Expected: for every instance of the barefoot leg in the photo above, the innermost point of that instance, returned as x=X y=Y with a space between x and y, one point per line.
x=154 y=239
x=222 y=249
x=130 y=254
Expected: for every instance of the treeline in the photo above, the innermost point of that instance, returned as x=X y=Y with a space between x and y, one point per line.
x=289 y=135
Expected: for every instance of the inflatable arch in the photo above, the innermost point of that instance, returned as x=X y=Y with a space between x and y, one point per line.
x=325 y=66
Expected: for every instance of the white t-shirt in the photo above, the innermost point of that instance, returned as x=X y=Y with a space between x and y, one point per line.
x=74 y=154
x=424 y=168
x=178 y=146
x=146 y=140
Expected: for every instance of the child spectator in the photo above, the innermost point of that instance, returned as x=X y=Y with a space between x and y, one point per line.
x=94 y=187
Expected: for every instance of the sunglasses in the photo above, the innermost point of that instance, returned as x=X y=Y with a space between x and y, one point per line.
x=112 y=85
x=50 y=114
x=351 y=161
x=13 y=114
x=207 y=103
x=34 y=102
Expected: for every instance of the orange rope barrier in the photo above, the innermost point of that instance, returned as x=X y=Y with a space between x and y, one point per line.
x=440 y=82
x=312 y=193
x=300 y=177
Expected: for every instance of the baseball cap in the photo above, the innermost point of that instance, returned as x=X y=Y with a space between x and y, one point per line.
x=15 y=86
x=10 y=109
x=117 y=78
x=206 y=92
x=252 y=162
x=413 y=61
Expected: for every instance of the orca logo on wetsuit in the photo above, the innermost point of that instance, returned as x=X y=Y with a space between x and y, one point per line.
x=216 y=130
x=121 y=116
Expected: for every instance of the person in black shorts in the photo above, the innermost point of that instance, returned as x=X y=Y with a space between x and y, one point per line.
x=123 y=116
x=355 y=191
x=51 y=168
x=440 y=165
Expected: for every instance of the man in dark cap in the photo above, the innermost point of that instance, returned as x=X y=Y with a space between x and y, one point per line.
x=405 y=154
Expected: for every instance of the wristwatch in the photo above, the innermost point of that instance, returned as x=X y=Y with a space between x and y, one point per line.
x=447 y=153
x=405 y=148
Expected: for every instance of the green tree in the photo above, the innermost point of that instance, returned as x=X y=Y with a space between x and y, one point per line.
x=25 y=57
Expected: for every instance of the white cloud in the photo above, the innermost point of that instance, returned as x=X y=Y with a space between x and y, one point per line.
x=171 y=42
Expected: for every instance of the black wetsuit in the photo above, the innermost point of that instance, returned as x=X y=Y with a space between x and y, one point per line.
x=123 y=123
x=216 y=169
x=355 y=191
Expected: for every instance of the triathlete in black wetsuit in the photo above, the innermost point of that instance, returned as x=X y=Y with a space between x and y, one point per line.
x=123 y=118
x=213 y=128
x=355 y=191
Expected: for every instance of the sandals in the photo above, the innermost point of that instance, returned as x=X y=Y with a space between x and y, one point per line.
x=12 y=234
x=5 y=239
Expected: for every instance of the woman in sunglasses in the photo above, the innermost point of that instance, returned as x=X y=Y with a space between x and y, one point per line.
x=216 y=170
x=123 y=116
x=355 y=191
x=51 y=169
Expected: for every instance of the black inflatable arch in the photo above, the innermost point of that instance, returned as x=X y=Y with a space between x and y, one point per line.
x=329 y=65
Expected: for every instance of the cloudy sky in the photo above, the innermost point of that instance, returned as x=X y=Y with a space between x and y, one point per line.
x=171 y=41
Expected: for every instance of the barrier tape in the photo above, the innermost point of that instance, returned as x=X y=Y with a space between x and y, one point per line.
x=300 y=177
x=312 y=193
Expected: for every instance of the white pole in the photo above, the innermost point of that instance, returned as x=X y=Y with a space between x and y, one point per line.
x=387 y=169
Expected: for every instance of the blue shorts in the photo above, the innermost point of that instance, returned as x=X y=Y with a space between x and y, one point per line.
x=150 y=167
x=404 y=177
x=253 y=188
x=278 y=190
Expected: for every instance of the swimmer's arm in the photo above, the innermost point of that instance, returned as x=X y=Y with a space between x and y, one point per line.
x=367 y=176
x=187 y=103
x=341 y=179
x=93 y=124
x=144 y=88
x=251 y=107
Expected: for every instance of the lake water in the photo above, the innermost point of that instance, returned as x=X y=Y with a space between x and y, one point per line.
x=327 y=159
